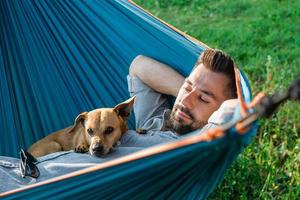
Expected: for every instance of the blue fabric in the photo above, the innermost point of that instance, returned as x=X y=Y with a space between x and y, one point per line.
x=183 y=173
x=59 y=58
x=61 y=163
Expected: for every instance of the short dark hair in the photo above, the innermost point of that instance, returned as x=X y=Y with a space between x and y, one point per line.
x=218 y=61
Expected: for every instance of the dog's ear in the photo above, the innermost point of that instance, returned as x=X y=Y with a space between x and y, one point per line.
x=123 y=109
x=79 y=120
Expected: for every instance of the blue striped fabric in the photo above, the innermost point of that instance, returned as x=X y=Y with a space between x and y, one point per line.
x=59 y=58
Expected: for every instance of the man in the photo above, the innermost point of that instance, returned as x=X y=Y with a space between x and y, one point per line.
x=198 y=96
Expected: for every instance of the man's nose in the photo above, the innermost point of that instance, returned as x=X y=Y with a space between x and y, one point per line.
x=188 y=99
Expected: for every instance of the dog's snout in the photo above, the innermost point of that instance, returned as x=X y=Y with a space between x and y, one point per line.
x=98 y=148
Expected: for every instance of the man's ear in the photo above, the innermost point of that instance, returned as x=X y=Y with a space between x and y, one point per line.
x=123 y=109
x=79 y=120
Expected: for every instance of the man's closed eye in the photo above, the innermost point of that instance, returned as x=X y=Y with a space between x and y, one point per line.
x=203 y=99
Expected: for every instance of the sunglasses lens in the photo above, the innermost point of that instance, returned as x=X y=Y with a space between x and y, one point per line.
x=27 y=166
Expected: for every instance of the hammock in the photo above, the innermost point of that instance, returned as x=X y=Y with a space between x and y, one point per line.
x=59 y=58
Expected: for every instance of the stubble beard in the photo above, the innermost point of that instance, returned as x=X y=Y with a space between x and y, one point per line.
x=178 y=126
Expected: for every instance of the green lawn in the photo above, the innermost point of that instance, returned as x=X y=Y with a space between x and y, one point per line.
x=264 y=39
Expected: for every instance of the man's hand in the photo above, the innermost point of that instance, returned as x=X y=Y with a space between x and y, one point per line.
x=158 y=76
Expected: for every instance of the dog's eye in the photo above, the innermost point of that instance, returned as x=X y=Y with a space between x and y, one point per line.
x=90 y=131
x=109 y=130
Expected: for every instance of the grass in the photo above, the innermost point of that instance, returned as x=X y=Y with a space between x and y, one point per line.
x=264 y=39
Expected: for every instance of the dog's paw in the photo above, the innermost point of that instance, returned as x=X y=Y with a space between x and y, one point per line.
x=81 y=149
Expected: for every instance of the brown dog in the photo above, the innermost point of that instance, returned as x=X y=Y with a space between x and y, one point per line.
x=96 y=131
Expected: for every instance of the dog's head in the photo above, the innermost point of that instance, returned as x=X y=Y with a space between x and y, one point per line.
x=104 y=127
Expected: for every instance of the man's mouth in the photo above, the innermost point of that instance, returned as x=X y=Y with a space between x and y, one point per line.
x=183 y=115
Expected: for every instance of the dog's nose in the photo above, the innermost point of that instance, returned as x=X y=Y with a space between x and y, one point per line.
x=97 y=148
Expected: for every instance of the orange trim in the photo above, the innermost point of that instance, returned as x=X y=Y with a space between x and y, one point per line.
x=240 y=91
x=244 y=108
x=240 y=128
x=213 y=134
x=256 y=99
x=205 y=137
x=237 y=74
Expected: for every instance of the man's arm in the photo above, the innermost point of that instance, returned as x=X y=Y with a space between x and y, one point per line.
x=158 y=76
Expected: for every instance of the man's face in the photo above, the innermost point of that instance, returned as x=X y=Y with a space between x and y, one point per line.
x=201 y=94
